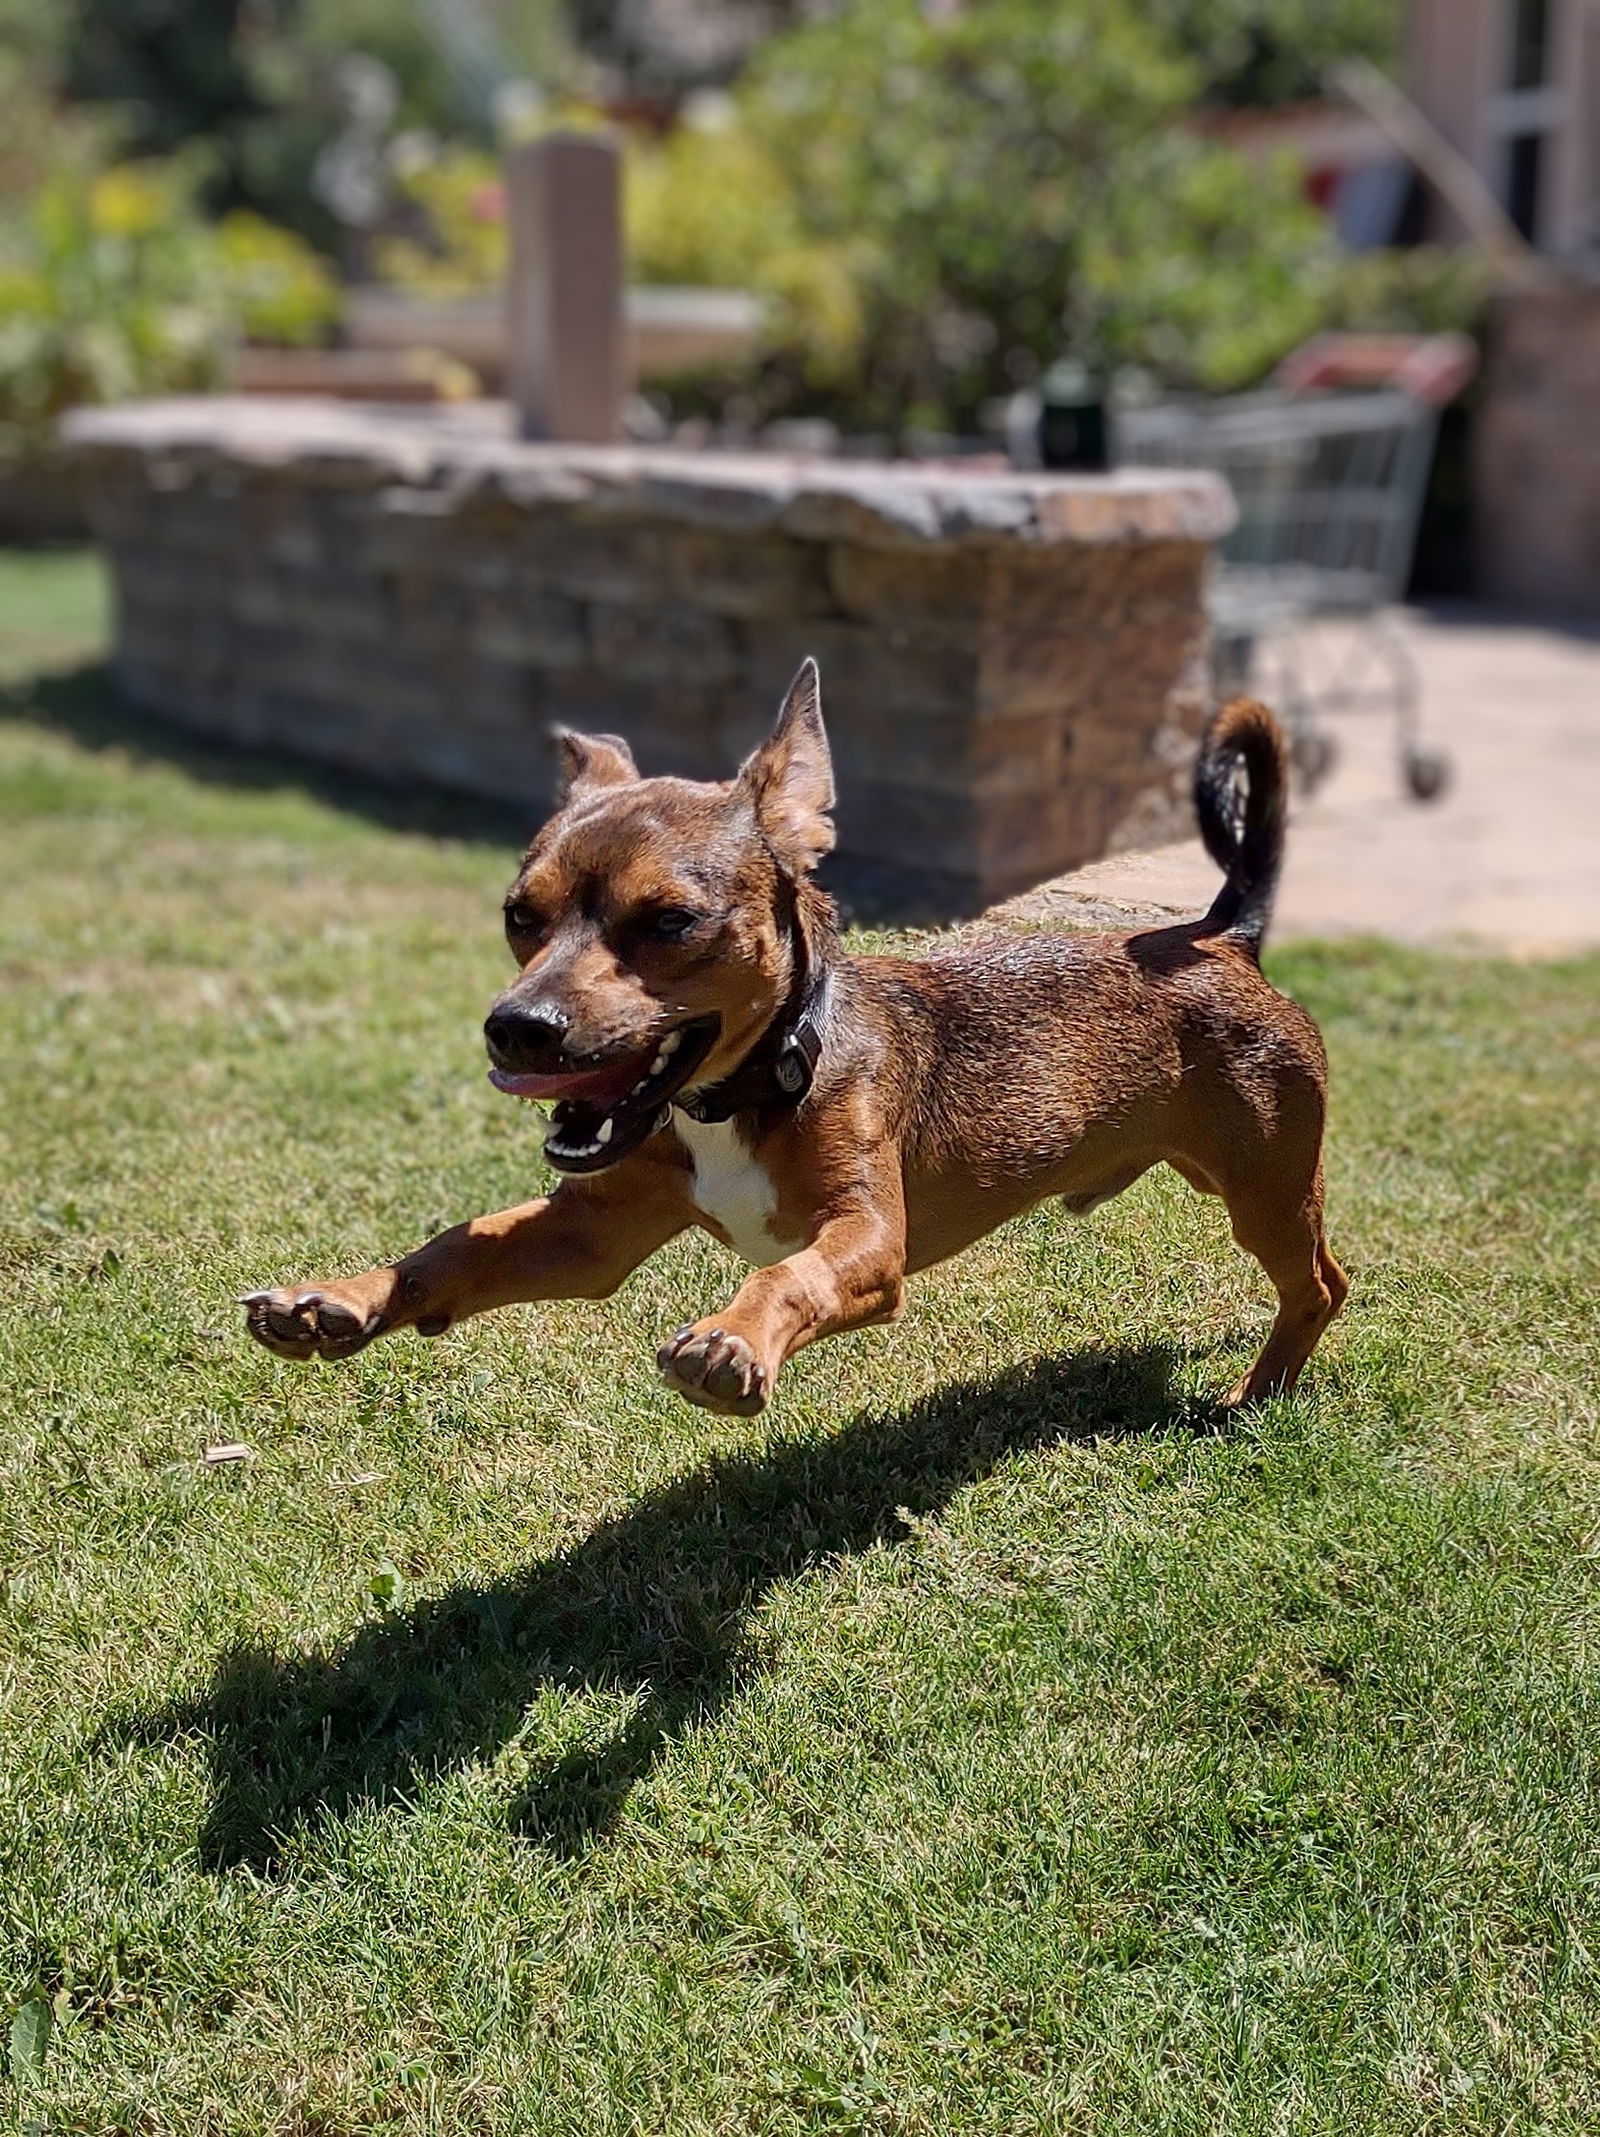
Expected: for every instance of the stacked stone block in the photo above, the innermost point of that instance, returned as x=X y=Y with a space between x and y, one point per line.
x=1013 y=666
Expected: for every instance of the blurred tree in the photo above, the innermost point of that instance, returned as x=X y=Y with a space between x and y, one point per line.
x=451 y=59
x=937 y=209
x=179 y=67
x=257 y=84
x=937 y=201
x=34 y=32
x=220 y=77
x=1276 y=51
x=29 y=121
x=1015 y=181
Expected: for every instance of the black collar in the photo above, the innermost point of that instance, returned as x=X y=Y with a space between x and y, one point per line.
x=781 y=1066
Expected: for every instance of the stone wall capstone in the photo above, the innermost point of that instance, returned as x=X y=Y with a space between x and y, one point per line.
x=1013 y=665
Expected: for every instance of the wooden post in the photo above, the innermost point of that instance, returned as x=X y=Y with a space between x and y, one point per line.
x=564 y=327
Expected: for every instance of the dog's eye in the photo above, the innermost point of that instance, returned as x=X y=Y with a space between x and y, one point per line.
x=521 y=919
x=670 y=922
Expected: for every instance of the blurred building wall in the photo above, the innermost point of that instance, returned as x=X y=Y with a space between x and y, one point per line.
x=1536 y=452
x=1514 y=86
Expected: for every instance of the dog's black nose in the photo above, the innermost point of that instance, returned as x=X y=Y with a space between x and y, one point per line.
x=525 y=1035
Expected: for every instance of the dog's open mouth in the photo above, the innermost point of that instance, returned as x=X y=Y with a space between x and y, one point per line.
x=601 y=1114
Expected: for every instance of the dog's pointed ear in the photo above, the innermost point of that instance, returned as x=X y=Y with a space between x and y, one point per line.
x=587 y=763
x=790 y=777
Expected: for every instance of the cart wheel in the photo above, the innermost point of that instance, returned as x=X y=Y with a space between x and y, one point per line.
x=1427 y=773
x=1313 y=754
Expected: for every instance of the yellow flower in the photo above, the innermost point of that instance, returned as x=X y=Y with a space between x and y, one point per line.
x=128 y=201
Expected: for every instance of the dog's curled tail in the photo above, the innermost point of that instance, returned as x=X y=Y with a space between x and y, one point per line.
x=1243 y=831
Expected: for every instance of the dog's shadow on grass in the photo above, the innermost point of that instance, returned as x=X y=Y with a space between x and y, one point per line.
x=654 y=1604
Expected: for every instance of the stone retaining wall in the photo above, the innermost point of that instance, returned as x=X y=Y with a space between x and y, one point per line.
x=1013 y=666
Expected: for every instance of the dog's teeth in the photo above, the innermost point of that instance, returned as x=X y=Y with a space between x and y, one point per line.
x=659 y=1063
x=670 y=1044
x=603 y=1132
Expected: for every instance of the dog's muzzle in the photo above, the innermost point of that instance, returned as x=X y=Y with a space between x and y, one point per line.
x=602 y=1109
x=526 y=1038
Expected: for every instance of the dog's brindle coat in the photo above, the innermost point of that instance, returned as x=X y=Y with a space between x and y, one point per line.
x=860 y=1117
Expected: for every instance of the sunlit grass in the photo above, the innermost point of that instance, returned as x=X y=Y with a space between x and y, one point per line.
x=984 y=1740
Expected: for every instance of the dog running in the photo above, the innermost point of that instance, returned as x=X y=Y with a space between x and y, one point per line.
x=713 y=1057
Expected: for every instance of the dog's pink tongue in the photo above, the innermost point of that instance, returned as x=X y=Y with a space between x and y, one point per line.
x=596 y=1083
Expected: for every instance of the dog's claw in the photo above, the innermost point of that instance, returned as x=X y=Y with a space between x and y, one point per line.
x=716 y=1369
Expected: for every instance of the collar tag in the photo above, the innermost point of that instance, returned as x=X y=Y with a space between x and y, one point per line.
x=791 y=1072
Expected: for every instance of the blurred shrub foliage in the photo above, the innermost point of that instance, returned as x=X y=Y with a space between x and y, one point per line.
x=456 y=243
x=936 y=205
x=718 y=204
x=1019 y=182
x=112 y=282
x=937 y=210
x=1276 y=51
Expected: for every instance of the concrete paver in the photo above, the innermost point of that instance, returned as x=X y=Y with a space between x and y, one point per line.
x=1508 y=855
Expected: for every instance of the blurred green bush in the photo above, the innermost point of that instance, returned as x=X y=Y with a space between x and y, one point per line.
x=937 y=210
x=457 y=242
x=257 y=83
x=280 y=290
x=113 y=283
x=1264 y=52
x=1020 y=183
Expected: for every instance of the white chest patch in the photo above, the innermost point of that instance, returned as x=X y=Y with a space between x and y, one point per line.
x=734 y=1190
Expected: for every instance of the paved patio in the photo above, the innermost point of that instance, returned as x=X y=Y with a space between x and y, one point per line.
x=1509 y=855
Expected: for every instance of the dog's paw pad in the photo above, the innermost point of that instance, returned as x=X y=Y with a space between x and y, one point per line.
x=716 y=1369
x=309 y=1322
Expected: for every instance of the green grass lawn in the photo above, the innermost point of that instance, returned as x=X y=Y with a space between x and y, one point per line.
x=985 y=1740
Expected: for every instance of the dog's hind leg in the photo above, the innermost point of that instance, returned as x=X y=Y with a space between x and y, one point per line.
x=1278 y=1219
x=1258 y=1145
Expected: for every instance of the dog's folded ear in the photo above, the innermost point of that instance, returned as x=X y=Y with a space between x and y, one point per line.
x=587 y=763
x=790 y=777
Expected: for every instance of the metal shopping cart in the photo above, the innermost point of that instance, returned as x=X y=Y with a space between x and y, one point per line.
x=1329 y=486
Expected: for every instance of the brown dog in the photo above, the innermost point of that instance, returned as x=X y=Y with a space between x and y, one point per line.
x=715 y=1059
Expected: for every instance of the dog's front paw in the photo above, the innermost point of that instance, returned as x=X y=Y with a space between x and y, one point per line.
x=314 y=1320
x=716 y=1369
